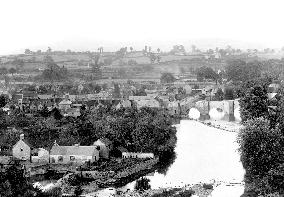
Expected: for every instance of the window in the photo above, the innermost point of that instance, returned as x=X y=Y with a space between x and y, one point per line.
x=72 y=158
x=60 y=159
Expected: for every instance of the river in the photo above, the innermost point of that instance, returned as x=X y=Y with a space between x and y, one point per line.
x=203 y=154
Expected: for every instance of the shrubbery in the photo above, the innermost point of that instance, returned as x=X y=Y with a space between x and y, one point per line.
x=142 y=184
x=262 y=155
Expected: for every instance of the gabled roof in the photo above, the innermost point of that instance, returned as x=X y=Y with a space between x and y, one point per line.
x=45 y=96
x=106 y=141
x=73 y=150
x=25 y=141
x=65 y=102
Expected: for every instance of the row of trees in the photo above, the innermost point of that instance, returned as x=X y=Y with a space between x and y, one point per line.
x=4 y=71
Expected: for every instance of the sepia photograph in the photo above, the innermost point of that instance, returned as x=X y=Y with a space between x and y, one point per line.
x=141 y=98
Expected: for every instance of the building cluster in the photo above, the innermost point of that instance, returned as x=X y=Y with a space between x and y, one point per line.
x=167 y=96
x=103 y=148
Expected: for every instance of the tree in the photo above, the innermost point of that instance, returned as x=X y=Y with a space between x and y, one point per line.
x=12 y=71
x=48 y=50
x=167 y=78
x=241 y=71
x=3 y=71
x=54 y=73
x=152 y=57
x=131 y=49
x=28 y=51
x=3 y=100
x=142 y=184
x=254 y=104
x=219 y=96
x=116 y=91
x=229 y=93
x=96 y=67
x=206 y=73
x=262 y=154
x=78 y=190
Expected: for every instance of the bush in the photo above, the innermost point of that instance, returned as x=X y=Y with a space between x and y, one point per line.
x=262 y=155
x=207 y=186
x=142 y=184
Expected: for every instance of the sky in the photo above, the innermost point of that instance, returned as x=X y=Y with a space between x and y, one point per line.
x=89 y=24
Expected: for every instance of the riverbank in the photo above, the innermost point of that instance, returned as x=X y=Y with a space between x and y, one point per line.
x=127 y=171
x=221 y=124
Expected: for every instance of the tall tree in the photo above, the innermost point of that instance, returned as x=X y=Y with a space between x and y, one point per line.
x=167 y=78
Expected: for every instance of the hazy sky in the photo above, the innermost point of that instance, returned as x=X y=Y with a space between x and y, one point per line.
x=88 y=24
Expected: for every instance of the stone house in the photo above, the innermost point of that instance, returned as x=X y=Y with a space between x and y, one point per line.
x=73 y=154
x=104 y=146
x=64 y=105
x=22 y=149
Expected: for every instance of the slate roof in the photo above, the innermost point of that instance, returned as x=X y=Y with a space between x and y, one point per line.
x=45 y=96
x=73 y=150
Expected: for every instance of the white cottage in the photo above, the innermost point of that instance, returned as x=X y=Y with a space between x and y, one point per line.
x=73 y=154
x=22 y=149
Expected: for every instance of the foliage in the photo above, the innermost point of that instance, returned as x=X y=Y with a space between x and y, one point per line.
x=206 y=73
x=240 y=71
x=254 y=103
x=3 y=100
x=219 y=96
x=53 y=72
x=12 y=71
x=167 y=78
x=13 y=183
x=3 y=71
x=262 y=155
x=142 y=184
x=229 y=93
x=78 y=190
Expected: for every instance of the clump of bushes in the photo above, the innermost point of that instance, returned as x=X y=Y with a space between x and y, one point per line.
x=142 y=184
x=262 y=155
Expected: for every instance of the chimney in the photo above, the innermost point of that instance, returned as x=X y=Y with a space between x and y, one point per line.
x=22 y=136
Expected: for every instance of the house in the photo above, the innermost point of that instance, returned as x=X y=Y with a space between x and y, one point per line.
x=40 y=155
x=152 y=103
x=104 y=146
x=73 y=154
x=74 y=112
x=22 y=149
x=137 y=155
x=64 y=105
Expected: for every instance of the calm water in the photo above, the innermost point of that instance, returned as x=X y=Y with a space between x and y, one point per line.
x=203 y=154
